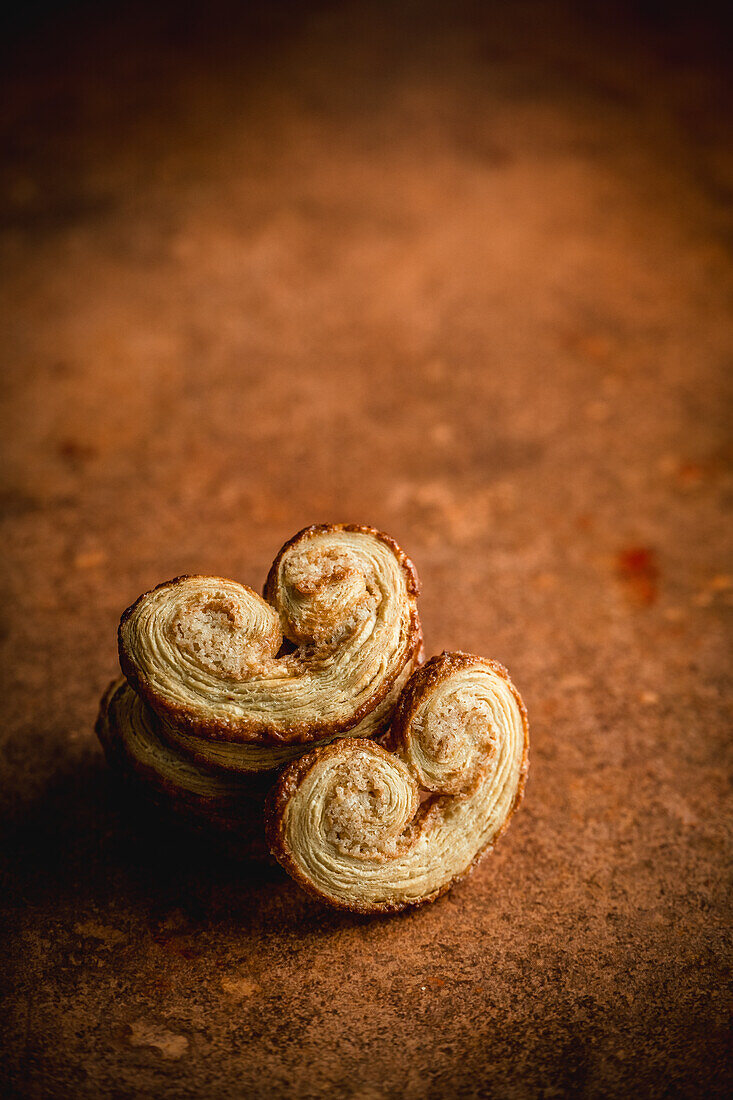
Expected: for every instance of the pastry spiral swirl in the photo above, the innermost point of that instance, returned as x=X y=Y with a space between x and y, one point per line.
x=347 y=822
x=130 y=734
x=207 y=655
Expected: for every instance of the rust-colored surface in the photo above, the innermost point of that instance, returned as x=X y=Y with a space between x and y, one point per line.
x=466 y=277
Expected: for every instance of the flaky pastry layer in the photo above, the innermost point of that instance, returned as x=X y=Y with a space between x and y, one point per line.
x=130 y=733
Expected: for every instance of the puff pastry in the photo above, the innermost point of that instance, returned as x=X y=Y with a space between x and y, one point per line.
x=130 y=733
x=207 y=654
x=347 y=821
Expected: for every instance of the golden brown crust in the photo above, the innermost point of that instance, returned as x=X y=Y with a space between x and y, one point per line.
x=297 y=776
x=246 y=729
x=413 y=581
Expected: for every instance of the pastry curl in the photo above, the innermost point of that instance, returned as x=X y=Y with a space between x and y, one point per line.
x=130 y=734
x=207 y=653
x=347 y=822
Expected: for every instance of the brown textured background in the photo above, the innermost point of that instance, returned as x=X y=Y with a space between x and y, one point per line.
x=462 y=272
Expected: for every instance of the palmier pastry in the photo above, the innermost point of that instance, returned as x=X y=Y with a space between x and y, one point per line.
x=207 y=654
x=347 y=821
x=130 y=735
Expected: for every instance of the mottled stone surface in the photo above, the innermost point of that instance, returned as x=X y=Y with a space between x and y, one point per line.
x=464 y=276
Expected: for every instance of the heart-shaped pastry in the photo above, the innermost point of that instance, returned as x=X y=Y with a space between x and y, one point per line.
x=347 y=821
x=244 y=683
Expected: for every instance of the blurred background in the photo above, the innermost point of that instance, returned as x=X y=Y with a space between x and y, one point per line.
x=461 y=271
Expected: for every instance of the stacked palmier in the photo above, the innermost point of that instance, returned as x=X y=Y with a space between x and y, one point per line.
x=261 y=717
